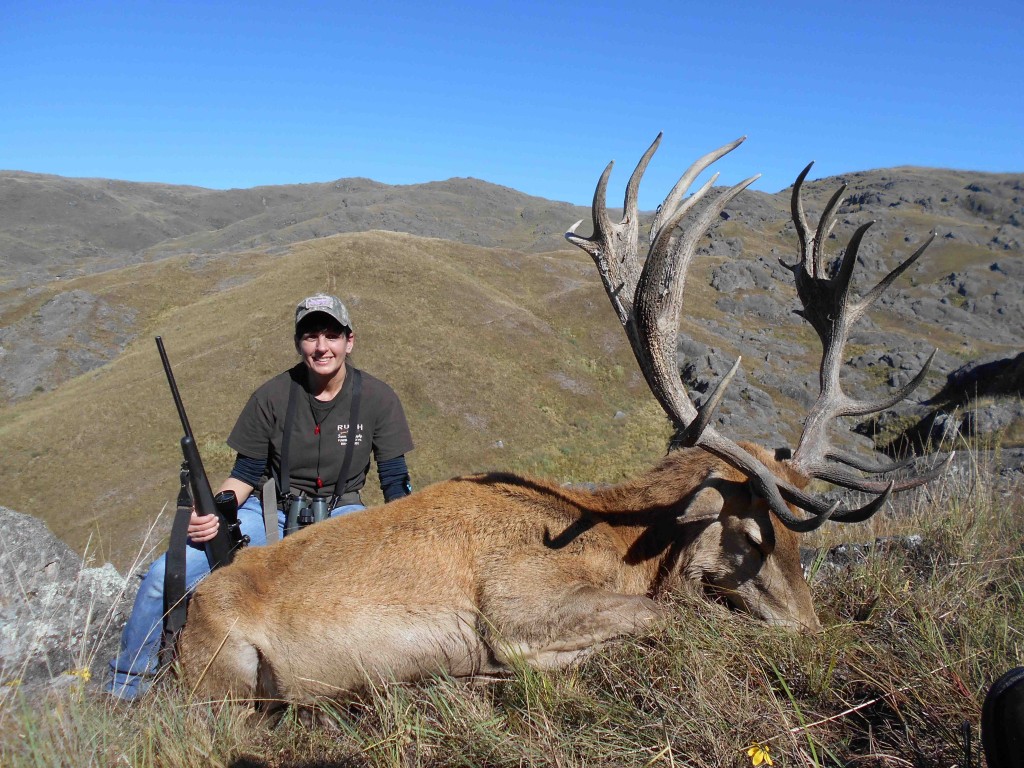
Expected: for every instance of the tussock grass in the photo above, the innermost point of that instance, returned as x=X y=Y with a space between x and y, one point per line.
x=914 y=636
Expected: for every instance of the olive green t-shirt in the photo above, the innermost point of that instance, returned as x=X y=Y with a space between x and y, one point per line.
x=381 y=429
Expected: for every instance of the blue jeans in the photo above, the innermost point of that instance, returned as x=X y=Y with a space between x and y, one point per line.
x=134 y=669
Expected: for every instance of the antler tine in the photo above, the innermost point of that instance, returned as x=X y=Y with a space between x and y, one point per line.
x=845 y=479
x=871 y=296
x=614 y=247
x=826 y=224
x=629 y=205
x=903 y=485
x=864 y=407
x=669 y=209
x=857 y=462
x=862 y=514
x=805 y=525
x=811 y=248
x=796 y=206
x=692 y=433
x=831 y=311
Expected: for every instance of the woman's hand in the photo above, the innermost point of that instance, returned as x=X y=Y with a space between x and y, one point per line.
x=202 y=528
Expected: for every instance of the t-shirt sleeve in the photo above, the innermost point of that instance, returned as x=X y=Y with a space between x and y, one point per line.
x=391 y=435
x=252 y=432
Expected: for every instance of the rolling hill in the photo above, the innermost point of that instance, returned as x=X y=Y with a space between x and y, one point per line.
x=496 y=334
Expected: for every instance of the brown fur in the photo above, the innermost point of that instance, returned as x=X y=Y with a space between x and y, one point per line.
x=472 y=574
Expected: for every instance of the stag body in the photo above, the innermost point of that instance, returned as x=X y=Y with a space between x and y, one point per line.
x=472 y=574
x=469 y=575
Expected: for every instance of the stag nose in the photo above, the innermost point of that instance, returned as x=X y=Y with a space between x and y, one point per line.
x=810 y=627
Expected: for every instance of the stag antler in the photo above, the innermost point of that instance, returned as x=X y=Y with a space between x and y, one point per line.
x=831 y=311
x=647 y=297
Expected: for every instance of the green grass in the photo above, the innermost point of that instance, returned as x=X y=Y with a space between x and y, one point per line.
x=912 y=640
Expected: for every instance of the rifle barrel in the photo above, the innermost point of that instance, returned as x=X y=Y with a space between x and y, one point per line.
x=174 y=387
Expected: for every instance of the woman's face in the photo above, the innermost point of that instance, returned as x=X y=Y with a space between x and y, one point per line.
x=324 y=351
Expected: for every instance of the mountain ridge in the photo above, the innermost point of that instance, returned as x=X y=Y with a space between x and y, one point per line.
x=56 y=226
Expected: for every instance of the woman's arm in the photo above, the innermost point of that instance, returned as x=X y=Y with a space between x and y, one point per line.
x=394 y=478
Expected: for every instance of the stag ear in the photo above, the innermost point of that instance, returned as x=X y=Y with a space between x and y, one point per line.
x=706 y=503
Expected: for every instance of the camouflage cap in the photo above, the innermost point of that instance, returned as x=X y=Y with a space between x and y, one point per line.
x=321 y=302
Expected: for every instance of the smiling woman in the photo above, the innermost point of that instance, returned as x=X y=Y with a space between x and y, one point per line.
x=312 y=429
x=324 y=344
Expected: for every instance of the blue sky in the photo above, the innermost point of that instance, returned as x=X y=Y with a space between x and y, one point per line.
x=535 y=96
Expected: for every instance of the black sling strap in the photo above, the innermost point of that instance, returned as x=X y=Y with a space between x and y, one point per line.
x=289 y=422
x=353 y=422
x=174 y=570
x=284 y=481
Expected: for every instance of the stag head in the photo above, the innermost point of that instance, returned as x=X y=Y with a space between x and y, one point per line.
x=647 y=295
x=743 y=555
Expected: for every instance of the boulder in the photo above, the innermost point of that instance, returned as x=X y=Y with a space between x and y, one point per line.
x=60 y=619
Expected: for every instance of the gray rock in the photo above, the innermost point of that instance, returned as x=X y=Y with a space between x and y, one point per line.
x=758 y=305
x=60 y=619
x=992 y=419
x=727 y=247
x=761 y=273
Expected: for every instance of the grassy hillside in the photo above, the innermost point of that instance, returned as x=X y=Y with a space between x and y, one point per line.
x=504 y=358
x=536 y=364
x=51 y=226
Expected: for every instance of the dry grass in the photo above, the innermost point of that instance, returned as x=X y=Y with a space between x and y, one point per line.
x=913 y=638
x=480 y=359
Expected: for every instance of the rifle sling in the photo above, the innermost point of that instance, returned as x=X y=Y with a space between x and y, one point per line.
x=284 y=482
x=174 y=571
x=269 y=498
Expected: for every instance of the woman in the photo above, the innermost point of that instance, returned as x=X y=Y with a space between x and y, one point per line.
x=311 y=428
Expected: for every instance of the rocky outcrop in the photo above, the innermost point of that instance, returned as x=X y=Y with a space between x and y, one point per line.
x=982 y=401
x=60 y=619
x=70 y=334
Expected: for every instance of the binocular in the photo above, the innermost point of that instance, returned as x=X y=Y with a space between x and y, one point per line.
x=303 y=511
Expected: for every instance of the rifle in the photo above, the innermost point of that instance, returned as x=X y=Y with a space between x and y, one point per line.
x=221 y=549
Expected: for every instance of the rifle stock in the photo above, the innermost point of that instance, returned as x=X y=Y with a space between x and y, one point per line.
x=218 y=549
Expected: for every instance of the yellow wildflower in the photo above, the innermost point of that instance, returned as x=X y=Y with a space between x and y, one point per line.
x=758 y=754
